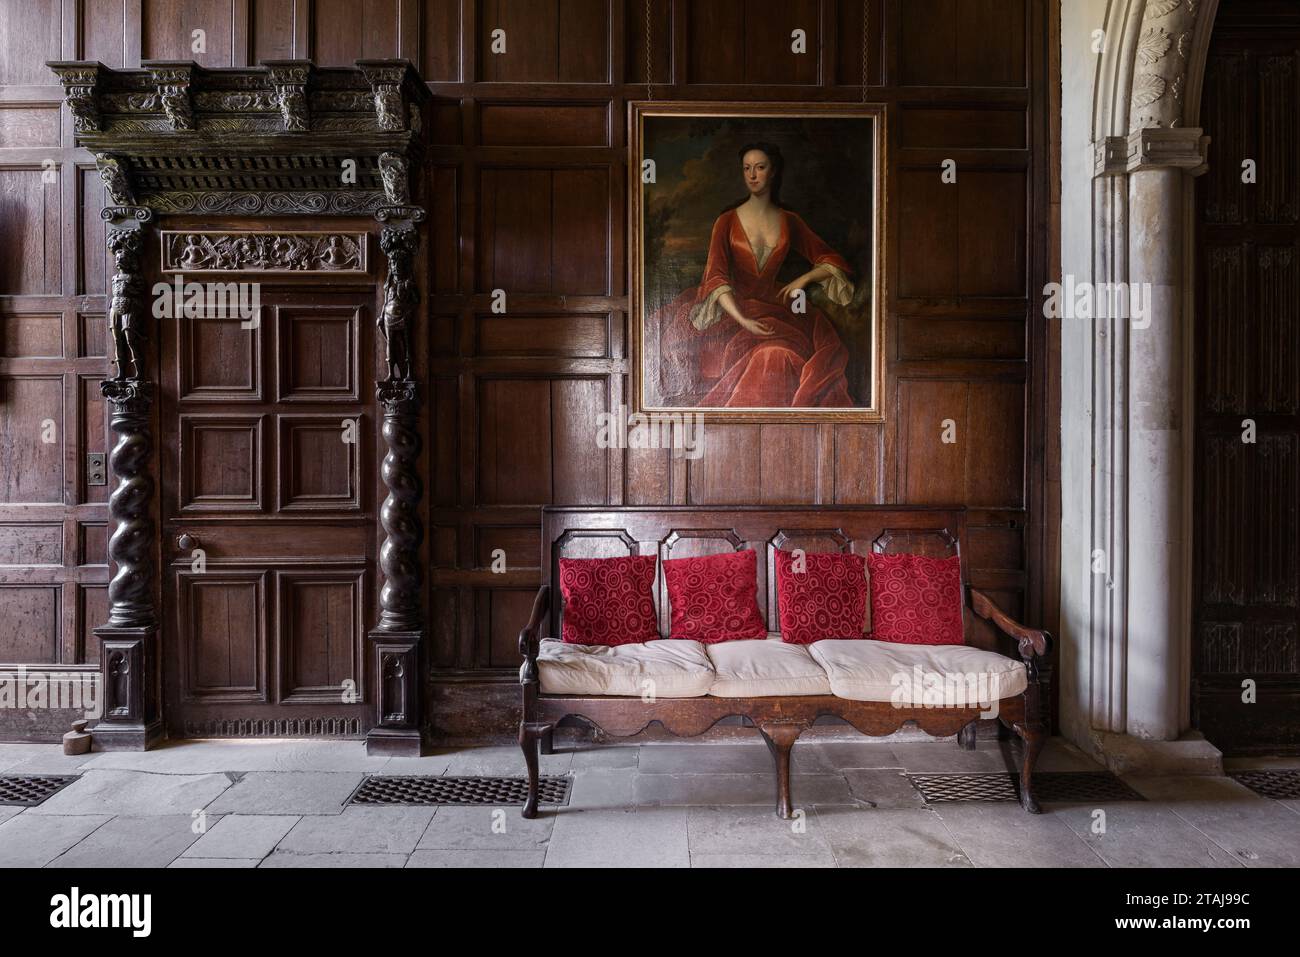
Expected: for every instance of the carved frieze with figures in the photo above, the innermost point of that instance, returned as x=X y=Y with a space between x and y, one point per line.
x=191 y=251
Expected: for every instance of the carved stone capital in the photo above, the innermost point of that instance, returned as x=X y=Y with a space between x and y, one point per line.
x=1110 y=156
x=396 y=215
x=398 y=396
x=173 y=82
x=124 y=217
x=128 y=396
x=1153 y=148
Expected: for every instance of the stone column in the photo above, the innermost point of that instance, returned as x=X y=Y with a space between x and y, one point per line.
x=397 y=640
x=1159 y=162
x=128 y=657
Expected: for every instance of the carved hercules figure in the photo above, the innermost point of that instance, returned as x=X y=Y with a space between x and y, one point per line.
x=126 y=316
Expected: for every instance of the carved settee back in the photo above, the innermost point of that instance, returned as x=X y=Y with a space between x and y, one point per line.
x=687 y=531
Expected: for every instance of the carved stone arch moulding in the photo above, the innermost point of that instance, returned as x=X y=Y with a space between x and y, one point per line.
x=284 y=138
x=1147 y=143
x=1152 y=64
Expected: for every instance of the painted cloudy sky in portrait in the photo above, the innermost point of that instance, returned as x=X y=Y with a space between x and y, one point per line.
x=827 y=181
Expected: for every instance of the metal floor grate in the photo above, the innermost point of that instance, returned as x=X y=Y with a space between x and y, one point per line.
x=384 y=789
x=1085 y=786
x=1280 y=784
x=32 y=789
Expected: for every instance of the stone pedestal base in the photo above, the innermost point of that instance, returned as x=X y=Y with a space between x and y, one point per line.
x=397 y=690
x=397 y=743
x=1125 y=754
x=130 y=720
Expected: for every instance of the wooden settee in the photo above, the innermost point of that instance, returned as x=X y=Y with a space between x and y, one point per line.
x=685 y=531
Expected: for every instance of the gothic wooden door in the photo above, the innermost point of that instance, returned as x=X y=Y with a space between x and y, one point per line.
x=1246 y=653
x=268 y=458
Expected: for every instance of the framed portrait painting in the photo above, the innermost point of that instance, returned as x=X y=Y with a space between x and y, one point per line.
x=755 y=260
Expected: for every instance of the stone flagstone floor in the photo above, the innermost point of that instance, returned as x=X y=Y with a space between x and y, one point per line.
x=280 y=804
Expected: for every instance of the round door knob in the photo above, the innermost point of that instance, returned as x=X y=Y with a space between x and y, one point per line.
x=186 y=542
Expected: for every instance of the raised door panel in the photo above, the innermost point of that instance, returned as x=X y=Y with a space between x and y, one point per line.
x=319 y=464
x=221 y=463
x=321 y=634
x=319 y=354
x=220 y=360
x=223 y=635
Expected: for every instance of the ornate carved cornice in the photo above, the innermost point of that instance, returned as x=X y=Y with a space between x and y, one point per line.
x=284 y=138
x=290 y=79
x=81 y=92
x=173 y=82
x=393 y=84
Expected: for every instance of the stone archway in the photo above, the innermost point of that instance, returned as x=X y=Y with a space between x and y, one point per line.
x=1126 y=379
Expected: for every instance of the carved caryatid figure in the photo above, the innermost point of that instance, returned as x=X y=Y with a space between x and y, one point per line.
x=126 y=315
x=400 y=299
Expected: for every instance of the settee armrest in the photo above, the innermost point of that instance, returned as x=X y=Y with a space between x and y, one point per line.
x=1033 y=642
x=528 y=636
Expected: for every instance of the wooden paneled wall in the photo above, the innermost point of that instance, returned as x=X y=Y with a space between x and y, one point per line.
x=530 y=181
x=527 y=185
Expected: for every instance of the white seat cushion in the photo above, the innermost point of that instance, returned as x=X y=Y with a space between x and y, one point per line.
x=667 y=668
x=918 y=675
x=759 y=666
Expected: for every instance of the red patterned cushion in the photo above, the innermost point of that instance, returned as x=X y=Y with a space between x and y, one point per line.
x=715 y=597
x=916 y=600
x=608 y=601
x=827 y=599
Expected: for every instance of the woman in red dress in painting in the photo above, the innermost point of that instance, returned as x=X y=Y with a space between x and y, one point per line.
x=735 y=341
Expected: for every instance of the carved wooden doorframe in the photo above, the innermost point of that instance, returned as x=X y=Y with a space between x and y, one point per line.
x=285 y=138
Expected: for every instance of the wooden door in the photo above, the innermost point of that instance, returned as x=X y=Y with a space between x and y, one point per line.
x=1247 y=510
x=268 y=458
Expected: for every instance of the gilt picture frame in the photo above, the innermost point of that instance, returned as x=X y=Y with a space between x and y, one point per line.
x=756 y=274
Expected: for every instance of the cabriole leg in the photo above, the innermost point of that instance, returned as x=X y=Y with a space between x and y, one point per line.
x=529 y=738
x=780 y=739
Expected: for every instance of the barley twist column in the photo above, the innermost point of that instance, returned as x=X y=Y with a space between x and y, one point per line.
x=128 y=642
x=397 y=638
